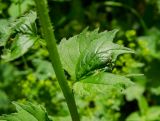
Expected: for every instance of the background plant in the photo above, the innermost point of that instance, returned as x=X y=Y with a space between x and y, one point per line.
x=27 y=73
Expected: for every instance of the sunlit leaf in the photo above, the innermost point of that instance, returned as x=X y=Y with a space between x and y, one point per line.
x=28 y=112
x=70 y=50
x=101 y=82
x=9 y=29
x=100 y=53
x=89 y=51
x=19 y=36
x=19 y=7
x=21 y=45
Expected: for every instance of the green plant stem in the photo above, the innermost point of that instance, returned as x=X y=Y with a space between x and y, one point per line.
x=47 y=32
x=133 y=11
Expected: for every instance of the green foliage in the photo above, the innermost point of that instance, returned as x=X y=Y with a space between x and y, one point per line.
x=87 y=56
x=27 y=112
x=23 y=34
x=32 y=78
x=108 y=79
x=131 y=94
x=44 y=69
x=99 y=56
x=3 y=100
x=153 y=114
x=23 y=25
x=19 y=7
x=21 y=45
x=149 y=44
x=101 y=82
x=71 y=50
x=100 y=53
x=89 y=51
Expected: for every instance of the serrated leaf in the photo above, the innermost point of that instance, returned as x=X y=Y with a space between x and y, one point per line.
x=24 y=24
x=28 y=112
x=71 y=49
x=89 y=51
x=19 y=37
x=4 y=32
x=20 y=46
x=101 y=82
x=100 y=53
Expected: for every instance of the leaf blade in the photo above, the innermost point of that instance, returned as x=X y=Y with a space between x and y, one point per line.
x=27 y=112
x=101 y=82
x=22 y=43
x=101 y=53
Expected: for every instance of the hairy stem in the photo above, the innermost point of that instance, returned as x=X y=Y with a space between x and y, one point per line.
x=47 y=32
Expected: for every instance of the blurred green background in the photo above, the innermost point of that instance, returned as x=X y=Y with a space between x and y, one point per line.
x=31 y=77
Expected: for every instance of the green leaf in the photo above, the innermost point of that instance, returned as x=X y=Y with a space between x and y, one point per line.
x=19 y=7
x=153 y=114
x=155 y=90
x=20 y=46
x=4 y=31
x=23 y=25
x=143 y=105
x=89 y=51
x=100 y=53
x=71 y=49
x=101 y=82
x=44 y=69
x=134 y=92
x=149 y=44
x=26 y=23
x=108 y=79
x=28 y=112
x=135 y=117
x=4 y=101
x=19 y=37
x=65 y=118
